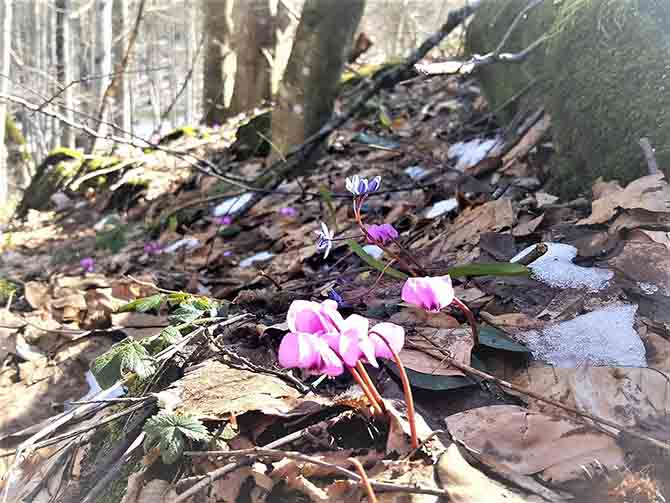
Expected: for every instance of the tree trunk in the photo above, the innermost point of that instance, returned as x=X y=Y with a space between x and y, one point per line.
x=309 y=87
x=103 y=55
x=189 y=30
x=64 y=67
x=5 y=62
x=218 y=29
x=255 y=39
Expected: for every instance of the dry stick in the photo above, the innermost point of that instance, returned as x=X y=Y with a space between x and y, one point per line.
x=483 y=375
x=266 y=452
x=365 y=481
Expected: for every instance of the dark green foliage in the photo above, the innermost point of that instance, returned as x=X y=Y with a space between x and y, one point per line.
x=124 y=357
x=170 y=433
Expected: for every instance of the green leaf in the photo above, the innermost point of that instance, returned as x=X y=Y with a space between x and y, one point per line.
x=433 y=382
x=170 y=432
x=126 y=356
x=492 y=269
x=373 y=262
x=143 y=305
x=186 y=313
x=171 y=335
x=494 y=338
x=327 y=197
x=384 y=118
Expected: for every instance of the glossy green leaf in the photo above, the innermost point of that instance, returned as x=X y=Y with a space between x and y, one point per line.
x=373 y=262
x=143 y=305
x=492 y=337
x=491 y=269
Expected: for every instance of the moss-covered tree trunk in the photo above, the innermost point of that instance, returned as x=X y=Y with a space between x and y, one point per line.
x=308 y=89
x=603 y=74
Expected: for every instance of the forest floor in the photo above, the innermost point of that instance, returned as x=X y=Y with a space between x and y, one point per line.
x=575 y=398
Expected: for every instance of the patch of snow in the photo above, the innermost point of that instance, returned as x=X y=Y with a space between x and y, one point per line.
x=648 y=288
x=555 y=268
x=374 y=251
x=187 y=243
x=442 y=207
x=93 y=390
x=605 y=337
x=471 y=153
x=232 y=205
x=416 y=172
x=258 y=257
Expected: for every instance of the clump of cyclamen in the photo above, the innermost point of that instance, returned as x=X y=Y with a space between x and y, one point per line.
x=381 y=234
x=87 y=264
x=321 y=341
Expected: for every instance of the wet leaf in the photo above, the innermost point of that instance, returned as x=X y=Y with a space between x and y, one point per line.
x=493 y=338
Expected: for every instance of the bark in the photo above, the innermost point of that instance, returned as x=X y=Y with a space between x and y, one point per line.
x=309 y=86
x=218 y=30
x=64 y=67
x=5 y=62
x=103 y=57
x=189 y=29
x=255 y=39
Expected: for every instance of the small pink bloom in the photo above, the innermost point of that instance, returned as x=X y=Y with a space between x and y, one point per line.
x=152 y=248
x=288 y=212
x=430 y=293
x=352 y=342
x=381 y=233
x=383 y=333
x=310 y=352
x=224 y=220
x=227 y=253
x=87 y=264
x=314 y=318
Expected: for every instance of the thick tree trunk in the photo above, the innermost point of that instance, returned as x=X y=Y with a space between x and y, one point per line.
x=5 y=62
x=218 y=29
x=255 y=39
x=309 y=87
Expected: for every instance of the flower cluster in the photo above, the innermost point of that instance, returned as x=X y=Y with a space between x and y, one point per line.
x=323 y=342
x=359 y=186
x=223 y=220
x=153 y=248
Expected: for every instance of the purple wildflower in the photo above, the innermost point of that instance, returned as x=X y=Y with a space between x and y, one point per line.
x=223 y=220
x=381 y=233
x=288 y=211
x=87 y=264
x=153 y=248
x=359 y=186
x=324 y=240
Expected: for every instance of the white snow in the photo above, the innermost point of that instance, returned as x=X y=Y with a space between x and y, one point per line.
x=471 y=153
x=187 y=243
x=232 y=205
x=258 y=257
x=374 y=251
x=441 y=207
x=415 y=172
x=555 y=268
x=605 y=337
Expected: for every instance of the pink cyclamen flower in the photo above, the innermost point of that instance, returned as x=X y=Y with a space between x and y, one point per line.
x=314 y=318
x=430 y=293
x=224 y=220
x=309 y=352
x=288 y=211
x=384 y=335
x=87 y=264
x=381 y=233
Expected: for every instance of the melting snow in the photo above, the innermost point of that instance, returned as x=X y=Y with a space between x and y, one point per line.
x=374 y=251
x=416 y=172
x=258 y=257
x=601 y=338
x=471 y=153
x=442 y=207
x=232 y=205
x=187 y=243
x=555 y=268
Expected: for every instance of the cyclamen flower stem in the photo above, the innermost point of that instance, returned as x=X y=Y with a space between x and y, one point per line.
x=471 y=319
x=365 y=481
x=407 y=389
x=359 y=380
x=373 y=389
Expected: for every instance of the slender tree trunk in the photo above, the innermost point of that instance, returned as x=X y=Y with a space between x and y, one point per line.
x=124 y=98
x=103 y=56
x=189 y=30
x=309 y=87
x=5 y=62
x=64 y=67
x=255 y=40
x=218 y=29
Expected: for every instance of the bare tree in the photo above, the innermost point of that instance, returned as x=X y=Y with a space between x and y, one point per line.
x=5 y=62
x=64 y=67
x=255 y=39
x=103 y=55
x=309 y=87
x=218 y=30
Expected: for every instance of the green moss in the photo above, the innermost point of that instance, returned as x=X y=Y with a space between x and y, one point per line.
x=13 y=134
x=603 y=76
x=7 y=290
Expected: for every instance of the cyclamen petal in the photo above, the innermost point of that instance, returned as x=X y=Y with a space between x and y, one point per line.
x=353 y=341
x=429 y=293
x=305 y=316
x=383 y=333
x=297 y=350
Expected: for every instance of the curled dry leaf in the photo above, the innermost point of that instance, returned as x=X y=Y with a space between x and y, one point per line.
x=423 y=351
x=527 y=442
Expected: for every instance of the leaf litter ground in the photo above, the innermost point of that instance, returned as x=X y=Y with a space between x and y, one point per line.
x=595 y=304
